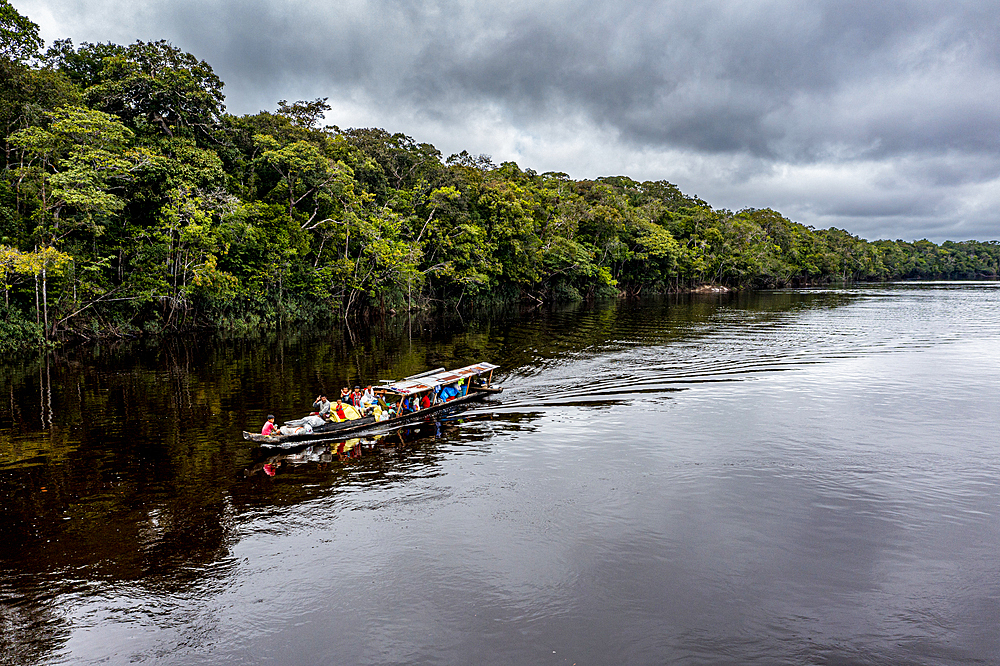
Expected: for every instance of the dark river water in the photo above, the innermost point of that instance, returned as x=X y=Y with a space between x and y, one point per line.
x=794 y=477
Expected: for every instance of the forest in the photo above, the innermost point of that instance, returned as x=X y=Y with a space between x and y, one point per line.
x=132 y=203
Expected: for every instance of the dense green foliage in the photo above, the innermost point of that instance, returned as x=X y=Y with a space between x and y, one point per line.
x=130 y=201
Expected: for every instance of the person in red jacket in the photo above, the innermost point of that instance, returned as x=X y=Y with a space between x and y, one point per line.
x=269 y=427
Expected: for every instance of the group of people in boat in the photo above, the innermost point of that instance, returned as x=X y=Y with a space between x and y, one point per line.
x=351 y=405
x=360 y=403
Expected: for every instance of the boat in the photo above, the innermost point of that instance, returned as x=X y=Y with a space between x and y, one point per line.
x=477 y=383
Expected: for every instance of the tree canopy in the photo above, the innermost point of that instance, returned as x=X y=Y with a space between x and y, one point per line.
x=131 y=202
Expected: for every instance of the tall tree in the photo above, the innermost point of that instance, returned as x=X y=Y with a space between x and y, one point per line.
x=74 y=165
x=19 y=39
x=154 y=87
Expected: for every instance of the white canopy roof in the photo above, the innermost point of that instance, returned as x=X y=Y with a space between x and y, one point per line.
x=428 y=382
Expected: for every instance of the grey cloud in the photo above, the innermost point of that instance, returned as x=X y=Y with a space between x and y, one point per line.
x=721 y=92
x=779 y=80
x=714 y=83
x=884 y=205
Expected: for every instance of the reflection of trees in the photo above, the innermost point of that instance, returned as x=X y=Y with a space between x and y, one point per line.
x=554 y=332
x=114 y=488
x=71 y=527
x=122 y=462
x=31 y=629
x=124 y=530
x=99 y=525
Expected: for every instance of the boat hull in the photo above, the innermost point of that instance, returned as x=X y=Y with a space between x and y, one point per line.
x=368 y=423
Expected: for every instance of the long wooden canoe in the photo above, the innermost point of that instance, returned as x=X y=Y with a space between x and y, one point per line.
x=410 y=386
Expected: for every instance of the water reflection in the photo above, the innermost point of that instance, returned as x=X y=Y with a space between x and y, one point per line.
x=124 y=480
x=300 y=472
x=320 y=455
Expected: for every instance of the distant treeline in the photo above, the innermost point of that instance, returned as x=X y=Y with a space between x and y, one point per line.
x=130 y=202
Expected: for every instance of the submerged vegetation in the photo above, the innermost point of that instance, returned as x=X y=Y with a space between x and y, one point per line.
x=131 y=202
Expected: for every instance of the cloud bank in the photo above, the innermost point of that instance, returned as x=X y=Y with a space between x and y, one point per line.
x=880 y=118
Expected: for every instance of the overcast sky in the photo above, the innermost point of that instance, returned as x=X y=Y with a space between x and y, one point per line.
x=879 y=117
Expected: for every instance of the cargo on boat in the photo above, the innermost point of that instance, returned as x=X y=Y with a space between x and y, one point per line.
x=442 y=389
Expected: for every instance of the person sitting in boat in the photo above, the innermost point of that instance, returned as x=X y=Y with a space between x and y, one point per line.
x=368 y=400
x=380 y=413
x=345 y=412
x=405 y=406
x=322 y=406
x=425 y=401
x=356 y=397
x=269 y=427
x=312 y=420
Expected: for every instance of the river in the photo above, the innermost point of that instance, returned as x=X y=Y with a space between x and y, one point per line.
x=788 y=477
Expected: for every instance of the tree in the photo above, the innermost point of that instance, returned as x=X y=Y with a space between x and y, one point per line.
x=308 y=176
x=743 y=251
x=41 y=264
x=507 y=209
x=10 y=263
x=156 y=88
x=304 y=114
x=381 y=261
x=19 y=40
x=83 y=66
x=400 y=161
x=654 y=256
x=74 y=164
x=25 y=91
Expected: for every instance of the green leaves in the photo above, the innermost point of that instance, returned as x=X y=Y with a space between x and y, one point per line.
x=153 y=86
x=75 y=164
x=19 y=40
x=123 y=176
x=310 y=178
x=46 y=259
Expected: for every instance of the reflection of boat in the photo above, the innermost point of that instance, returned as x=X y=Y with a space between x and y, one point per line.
x=272 y=460
x=477 y=384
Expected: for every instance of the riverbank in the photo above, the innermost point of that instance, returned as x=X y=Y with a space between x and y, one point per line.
x=19 y=332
